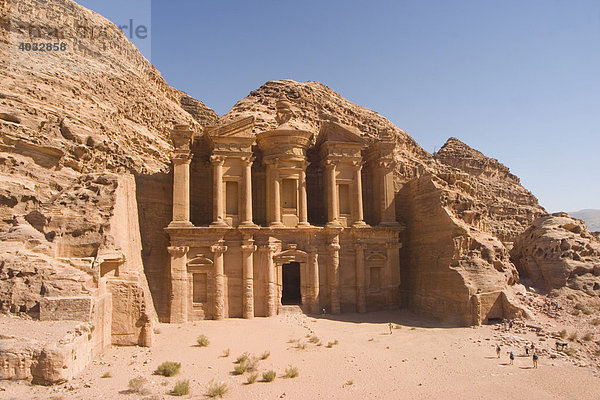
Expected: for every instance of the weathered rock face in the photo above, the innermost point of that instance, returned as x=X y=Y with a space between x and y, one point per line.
x=556 y=251
x=450 y=270
x=74 y=126
x=488 y=197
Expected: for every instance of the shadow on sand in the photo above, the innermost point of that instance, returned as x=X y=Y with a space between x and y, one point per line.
x=399 y=317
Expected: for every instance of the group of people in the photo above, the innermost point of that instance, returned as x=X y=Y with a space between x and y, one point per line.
x=528 y=349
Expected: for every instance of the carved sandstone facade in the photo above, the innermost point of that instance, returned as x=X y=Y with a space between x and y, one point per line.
x=285 y=216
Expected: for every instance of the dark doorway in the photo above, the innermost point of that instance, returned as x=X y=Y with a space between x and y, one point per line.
x=291 y=284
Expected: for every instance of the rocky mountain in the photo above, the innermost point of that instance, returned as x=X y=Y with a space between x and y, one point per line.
x=590 y=217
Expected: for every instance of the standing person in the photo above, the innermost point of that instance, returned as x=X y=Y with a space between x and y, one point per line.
x=526 y=350
x=510 y=324
x=535 y=360
x=512 y=358
x=498 y=350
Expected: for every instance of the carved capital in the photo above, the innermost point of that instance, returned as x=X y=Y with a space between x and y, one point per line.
x=182 y=137
x=218 y=248
x=182 y=157
x=217 y=160
x=248 y=161
x=360 y=246
x=178 y=251
x=248 y=248
x=330 y=164
x=393 y=245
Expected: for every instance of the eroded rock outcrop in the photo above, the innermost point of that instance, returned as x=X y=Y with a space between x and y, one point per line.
x=452 y=271
x=558 y=251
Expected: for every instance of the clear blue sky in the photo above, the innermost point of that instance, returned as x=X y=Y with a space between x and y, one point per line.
x=517 y=80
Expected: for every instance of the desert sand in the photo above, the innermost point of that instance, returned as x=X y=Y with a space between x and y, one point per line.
x=419 y=360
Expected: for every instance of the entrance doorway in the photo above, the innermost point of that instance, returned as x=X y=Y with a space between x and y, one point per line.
x=291 y=284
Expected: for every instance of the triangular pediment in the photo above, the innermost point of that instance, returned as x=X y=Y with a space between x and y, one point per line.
x=336 y=132
x=240 y=128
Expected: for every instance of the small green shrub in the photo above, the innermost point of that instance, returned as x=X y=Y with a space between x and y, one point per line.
x=573 y=336
x=202 y=341
x=313 y=339
x=587 y=311
x=181 y=388
x=252 y=378
x=225 y=353
x=563 y=333
x=136 y=385
x=216 y=389
x=576 y=313
x=291 y=372
x=106 y=375
x=269 y=376
x=579 y=306
x=570 y=297
x=168 y=368
x=596 y=321
x=588 y=336
x=301 y=345
x=265 y=355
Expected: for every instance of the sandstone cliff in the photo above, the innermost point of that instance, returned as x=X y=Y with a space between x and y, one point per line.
x=74 y=126
x=557 y=251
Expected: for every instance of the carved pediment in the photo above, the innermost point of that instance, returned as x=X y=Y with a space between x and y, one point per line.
x=241 y=128
x=290 y=255
x=335 y=132
x=199 y=260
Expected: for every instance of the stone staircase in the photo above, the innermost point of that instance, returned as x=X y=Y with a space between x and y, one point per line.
x=290 y=309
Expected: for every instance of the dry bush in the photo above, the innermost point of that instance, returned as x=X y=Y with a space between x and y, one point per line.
x=245 y=356
x=181 y=388
x=247 y=365
x=588 y=336
x=563 y=333
x=573 y=336
x=291 y=372
x=225 y=353
x=596 y=321
x=168 y=368
x=269 y=376
x=252 y=378
x=202 y=341
x=265 y=355
x=106 y=375
x=136 y=385
x=301 y=345
x=314 y=339
x=216 y=389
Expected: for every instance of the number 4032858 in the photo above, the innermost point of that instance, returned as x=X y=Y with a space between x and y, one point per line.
x=42 y=46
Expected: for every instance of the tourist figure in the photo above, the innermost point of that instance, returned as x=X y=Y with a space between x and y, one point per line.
x=532 y=347
x=535 y=360
x=526 y=350
x=498 y=349
x=512 y=358
x=390 y=325
x=510 y=324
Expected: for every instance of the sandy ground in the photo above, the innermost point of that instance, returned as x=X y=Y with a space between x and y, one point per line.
x=419 y=360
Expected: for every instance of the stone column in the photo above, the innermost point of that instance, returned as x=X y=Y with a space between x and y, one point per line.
x=181 y=190
x=334 y=276
x=361 y=290
x=247 y=192
x=313 y=273
x=248 y=249
x=276 y=197
x=388 y=203
x=358 y=202
x=332 y=195
x=271 y=282
x=179 y=285
x=218 y=200
x=393 y=266
x=218 y=250
x=303 y=214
